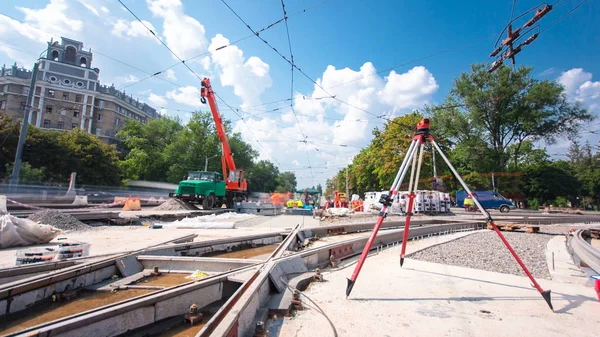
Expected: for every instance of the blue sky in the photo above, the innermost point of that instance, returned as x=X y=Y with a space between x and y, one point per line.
x=339 y=43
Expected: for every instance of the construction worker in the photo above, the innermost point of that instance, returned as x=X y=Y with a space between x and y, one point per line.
x=469 y=204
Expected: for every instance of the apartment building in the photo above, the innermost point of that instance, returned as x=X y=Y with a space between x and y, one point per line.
x=68 y=94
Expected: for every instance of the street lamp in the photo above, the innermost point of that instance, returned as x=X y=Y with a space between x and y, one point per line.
x=14 y=178
x=206 y=161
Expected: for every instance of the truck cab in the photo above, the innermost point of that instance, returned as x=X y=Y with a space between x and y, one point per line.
x=487 y=199
x=206 y=188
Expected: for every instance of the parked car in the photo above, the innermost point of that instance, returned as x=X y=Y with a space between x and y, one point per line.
x=100 y=197
x=487 y=199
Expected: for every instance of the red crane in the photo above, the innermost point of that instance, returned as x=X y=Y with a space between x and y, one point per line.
x=235 y=180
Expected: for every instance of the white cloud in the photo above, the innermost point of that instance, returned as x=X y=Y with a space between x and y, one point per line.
x=130 y=79
x=547 y=72
x=183 y=34
x=249 y=78
x=205 y=62
x=104 y=10
x=171 y=74
x=408 y=90
x=89 y=6
x=157 y=100
x=51 y=21
x=189 y=95
x=122 y=28
x=579 y=87
x=329 y=140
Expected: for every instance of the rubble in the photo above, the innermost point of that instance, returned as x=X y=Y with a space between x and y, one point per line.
x=486 y=251
x=171 y=205
x=58 y=220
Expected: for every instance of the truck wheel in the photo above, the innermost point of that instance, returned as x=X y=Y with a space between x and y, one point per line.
x=504 y=209
x=208 y=202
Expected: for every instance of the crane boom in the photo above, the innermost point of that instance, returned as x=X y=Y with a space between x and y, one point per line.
x=209 y=95
x=235 y=177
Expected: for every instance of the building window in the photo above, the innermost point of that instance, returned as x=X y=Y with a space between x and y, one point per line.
x=78 y=98
x=83 y=62
x=5 y=89
x=61 y=125
x=74 y=126
x=46 y=123
x=99 y=117
x=51 y=93
x=70 y=55
x=22 y=107
x=101 y=104
x=75 y=112
x=2 y=104
x=24 y=90
x=117 y=122
x=55 y=55
x=98 y=132
x=66 y=96
x=48 y=109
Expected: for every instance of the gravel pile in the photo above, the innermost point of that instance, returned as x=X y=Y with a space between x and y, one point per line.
x=59 y=220
x=171 y=205
x=486 y=251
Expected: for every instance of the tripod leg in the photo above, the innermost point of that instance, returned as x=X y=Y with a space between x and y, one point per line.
x=411 y=201
x=545 y=294
x=382 y=214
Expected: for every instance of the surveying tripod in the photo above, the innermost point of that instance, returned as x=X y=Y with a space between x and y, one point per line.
x=415 y=155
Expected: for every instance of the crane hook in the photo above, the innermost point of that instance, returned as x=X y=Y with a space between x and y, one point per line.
x=203 y=100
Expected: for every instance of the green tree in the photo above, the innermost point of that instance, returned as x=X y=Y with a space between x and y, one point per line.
x=9 y=136
x=262 y=177
x=286 y=182
x=147 y=143
x=28 y=174
x=96 y=163
x=550 y=181
x=585 y=164
x=506 y=108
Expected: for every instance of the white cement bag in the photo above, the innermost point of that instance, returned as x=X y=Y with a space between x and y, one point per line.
x=23 y=232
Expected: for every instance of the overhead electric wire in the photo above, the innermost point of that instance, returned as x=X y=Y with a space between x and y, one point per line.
x=563 y=16
x=231 y=43
x=196 y=75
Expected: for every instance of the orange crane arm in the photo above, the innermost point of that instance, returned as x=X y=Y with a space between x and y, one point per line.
x=209 y=95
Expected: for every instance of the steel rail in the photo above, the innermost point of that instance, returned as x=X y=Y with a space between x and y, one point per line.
x=585 y=251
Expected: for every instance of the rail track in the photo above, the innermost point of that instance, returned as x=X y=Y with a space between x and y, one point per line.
x=584 y=250
x=246 y=290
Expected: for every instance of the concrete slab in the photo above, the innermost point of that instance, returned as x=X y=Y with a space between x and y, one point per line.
x=560 y=263
x=427 y=299
x=286 y=270
x=289 y=221
x=129 y=265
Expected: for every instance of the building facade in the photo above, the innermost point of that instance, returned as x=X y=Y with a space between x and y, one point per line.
x=68 y=94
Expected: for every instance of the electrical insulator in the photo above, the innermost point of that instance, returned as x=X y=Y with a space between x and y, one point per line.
x=538 y=15
x=495 y=52
x=529 y=40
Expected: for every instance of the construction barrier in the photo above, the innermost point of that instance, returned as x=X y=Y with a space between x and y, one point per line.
x=80 y=200
x=3 y=204
x=132 y=204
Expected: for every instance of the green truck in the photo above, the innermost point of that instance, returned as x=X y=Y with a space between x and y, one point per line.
x=206 y=188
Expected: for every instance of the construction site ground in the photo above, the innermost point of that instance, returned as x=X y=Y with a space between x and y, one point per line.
x=430 y=299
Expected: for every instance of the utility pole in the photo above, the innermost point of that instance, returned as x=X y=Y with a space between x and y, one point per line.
x=14 y=178
x=513 y=36
x=347 y=187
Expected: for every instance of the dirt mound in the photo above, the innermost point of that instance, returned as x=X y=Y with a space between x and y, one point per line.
x=173 y=205
x=58 y=219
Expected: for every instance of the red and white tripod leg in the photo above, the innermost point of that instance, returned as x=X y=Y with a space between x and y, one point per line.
x=546 y=294
x=382 y=214
x=412 y=188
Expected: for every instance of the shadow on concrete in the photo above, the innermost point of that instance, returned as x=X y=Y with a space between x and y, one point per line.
x=452 y=299
x=473 y=279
